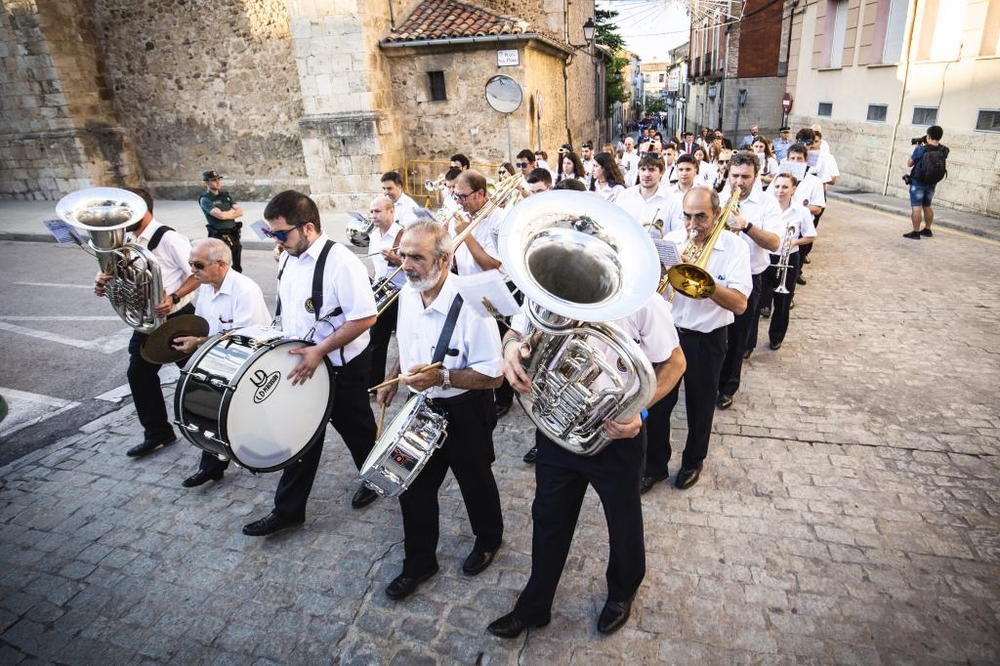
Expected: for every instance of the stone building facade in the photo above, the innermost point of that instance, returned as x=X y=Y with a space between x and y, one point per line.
x=274 y=94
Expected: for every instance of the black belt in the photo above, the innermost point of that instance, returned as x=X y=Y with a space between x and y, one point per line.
x=691 y=331
x=454 y=401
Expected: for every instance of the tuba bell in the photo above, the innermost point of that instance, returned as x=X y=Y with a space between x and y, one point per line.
x=581 y=262
x=106 y=214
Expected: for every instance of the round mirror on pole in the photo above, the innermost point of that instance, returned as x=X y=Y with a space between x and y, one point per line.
x=504 y=95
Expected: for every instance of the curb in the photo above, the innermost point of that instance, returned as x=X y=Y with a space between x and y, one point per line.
x=939 y=220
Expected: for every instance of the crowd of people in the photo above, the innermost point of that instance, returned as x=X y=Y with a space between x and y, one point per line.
x=760 y=204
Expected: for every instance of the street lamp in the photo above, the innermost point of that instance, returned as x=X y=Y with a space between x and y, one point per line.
x=589 y=29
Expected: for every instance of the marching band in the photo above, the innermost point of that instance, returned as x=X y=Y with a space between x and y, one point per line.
x=577 y=339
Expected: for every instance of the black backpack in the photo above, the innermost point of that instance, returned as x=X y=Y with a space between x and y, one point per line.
x=931 y=168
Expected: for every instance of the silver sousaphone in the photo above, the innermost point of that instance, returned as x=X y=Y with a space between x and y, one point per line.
x=106 y=214
x=581 y=263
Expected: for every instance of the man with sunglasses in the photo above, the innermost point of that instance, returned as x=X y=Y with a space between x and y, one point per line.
x=702 y=328
x=322 y=287
x=171 y=251
x=525 y=162
x=226 y=300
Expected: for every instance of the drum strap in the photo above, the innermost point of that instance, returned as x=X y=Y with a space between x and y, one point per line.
x=157 y=237
x=449 y=327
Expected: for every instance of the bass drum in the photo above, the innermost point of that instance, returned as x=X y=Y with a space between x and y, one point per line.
x=233 y=399
x=404 y=448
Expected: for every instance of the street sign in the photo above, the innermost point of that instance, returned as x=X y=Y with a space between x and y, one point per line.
x=786 y=103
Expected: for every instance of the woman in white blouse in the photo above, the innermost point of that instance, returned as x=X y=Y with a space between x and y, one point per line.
x=607 y=181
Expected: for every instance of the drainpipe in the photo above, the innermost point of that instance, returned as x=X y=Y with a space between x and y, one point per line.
x=902 y=96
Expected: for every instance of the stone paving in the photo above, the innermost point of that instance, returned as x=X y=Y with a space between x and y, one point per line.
x=849 y=513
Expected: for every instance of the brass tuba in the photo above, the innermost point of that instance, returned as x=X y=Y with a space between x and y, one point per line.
x=581 y=263
x=106 y=213
x=691 y=277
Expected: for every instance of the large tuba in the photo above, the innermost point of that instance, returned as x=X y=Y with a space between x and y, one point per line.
x=106 y=213
x=581 y=263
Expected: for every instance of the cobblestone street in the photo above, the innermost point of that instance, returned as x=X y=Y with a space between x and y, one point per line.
x=849 y=512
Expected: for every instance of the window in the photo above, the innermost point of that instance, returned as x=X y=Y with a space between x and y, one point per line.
x=990 y=45
x=436 y=80
x=825 y=109
x=894 y=27
x=661 y=78
x=941 y=30
x=835 y=30
x=877 y=113
x=925 y=115
x=988 y=120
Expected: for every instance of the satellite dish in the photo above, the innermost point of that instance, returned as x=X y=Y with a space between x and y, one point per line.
x=503 y=94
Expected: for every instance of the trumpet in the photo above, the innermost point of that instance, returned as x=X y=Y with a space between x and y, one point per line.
x=435 y=185
x=691 y=277
x=783 y=259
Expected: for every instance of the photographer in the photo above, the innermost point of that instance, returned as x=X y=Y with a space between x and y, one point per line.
x=928 y=169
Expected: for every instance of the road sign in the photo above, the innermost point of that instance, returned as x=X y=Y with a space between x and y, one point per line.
x=786 y=103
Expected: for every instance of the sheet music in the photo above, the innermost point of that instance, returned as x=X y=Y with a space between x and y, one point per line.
x=64 y=233
x=667 y=251
x=258 y=228
x=490 y=285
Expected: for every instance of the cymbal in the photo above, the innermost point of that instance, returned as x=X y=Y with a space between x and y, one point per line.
x=157 y=348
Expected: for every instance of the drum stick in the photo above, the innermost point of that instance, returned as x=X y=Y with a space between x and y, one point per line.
x=381 y=421
x=432 y=366
x=372 y=254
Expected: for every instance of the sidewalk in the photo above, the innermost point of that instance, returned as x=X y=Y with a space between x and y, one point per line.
x=848 y=513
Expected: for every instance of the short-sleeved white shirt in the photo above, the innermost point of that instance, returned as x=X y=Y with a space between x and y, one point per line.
x=663 y=205
x=239 y=302
x=345 y=285
x=764 y=212
x=172 y=254
x=386 y=241
x=486 y=232
x=799 y=216
x=476 y=338
x=405 y=210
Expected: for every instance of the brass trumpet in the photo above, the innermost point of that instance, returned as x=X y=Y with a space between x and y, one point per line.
x=690 y=277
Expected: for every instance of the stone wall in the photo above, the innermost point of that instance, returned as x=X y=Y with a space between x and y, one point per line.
x=206 y=85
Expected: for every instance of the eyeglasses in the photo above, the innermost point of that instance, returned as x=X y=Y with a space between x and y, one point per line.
x=200 y=266
x=520 y=165
x=280 y=236
x=462 y=197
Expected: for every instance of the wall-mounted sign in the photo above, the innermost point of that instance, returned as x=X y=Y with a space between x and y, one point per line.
x=508 y=58
x=674 y=81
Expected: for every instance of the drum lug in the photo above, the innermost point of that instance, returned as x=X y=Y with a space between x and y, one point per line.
x=198 y=376
x=218 y=383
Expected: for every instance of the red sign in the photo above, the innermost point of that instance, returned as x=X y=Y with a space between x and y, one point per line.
x=786 y=103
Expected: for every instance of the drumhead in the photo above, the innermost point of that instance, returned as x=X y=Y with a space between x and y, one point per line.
x=268 y=422
x=391 y=434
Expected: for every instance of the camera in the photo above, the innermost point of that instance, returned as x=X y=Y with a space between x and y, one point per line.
x=918 y=141
x=907 y=178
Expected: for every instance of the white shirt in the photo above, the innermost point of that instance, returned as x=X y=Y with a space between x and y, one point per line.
x=608 y=192
x=405 y=210
x=345 y=285
x=729 y=264
x=810 y=192
x=798 y=216
x=762 y=211
x=172 y=255
x=663 y=205
x=630 y=167
x=386 y=241
x=486 y=233
x=707 y=174
x=239 y=302
x=476 y=338
x=588 y=171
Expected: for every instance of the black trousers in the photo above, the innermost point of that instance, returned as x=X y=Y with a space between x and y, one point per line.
x=778 y=303
x=230 y=237
x=738 y=341
x=381 y=333
x=144 y=382
x=468 y=453
x=505 y=392
x=806 y=248
x=353 y=420
x=704 y=353
x=561 y=480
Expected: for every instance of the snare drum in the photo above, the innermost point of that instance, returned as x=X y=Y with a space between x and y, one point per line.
x=404 y=448
x=234 y=399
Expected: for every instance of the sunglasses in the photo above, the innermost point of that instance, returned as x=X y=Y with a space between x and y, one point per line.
x=520 y=165
x=280 y=236
x=200 y=266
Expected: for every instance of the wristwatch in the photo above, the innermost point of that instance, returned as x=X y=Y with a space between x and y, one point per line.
x=445 y=379
x=175 y=298
x=747 y=228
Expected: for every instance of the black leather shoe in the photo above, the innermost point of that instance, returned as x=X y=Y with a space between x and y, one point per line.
x=687 y=477
x=502 y=409
x=647 y=482
x=747 y=354
x=478 y=561
x=203 y=476
x=511 y=626
x=363 y=497
x=774 y=345
x=724 y=401
x=613 y=616
x=800 y=280
x=270 y=524
x=403 y=586
x=765 y=312
x=530 y=456
x=149 y=445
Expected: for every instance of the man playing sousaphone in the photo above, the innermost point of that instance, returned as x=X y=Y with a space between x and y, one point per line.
x=226 y=300
x=462 y=388
x=171 y=250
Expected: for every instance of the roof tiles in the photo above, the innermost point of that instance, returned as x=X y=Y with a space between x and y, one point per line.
x=449 y=19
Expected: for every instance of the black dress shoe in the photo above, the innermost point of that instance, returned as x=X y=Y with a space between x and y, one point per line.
x=613 y=616
x=149 y=445
x=747 y=354
x=270 y=524
x=403 y=586
x=800 y=280
x=203 y=476
x=478 y=561
x=774 y=345
x=724 y=401
x=502 y=409
x=765 y=312
x=687 y=477
x=530 y=456
x=363 y=497
x=647 y=482
x=511 y=626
